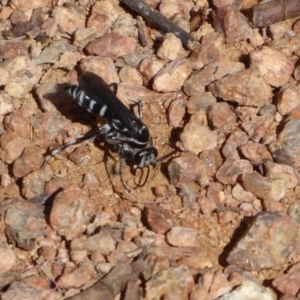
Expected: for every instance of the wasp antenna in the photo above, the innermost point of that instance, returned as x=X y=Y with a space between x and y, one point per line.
x=171 y=154
x=139 y=184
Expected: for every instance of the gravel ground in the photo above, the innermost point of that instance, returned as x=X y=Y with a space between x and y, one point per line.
x=218 y=216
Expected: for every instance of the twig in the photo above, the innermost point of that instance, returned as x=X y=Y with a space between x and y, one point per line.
x=273 y=11
x=160 y=21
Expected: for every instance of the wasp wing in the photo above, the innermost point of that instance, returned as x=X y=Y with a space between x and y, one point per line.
x=98 y=90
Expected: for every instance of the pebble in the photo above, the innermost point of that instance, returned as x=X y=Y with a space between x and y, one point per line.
x=68 y=18
x=200 y=102
x=33 y=184
x=205 y=54
x=19 y=290
x=101 y=242
x=12 y=145
x=240 y=194
x=112 y=45
x=288 y=99
x=159 y=219
x=25 y=5
x=247 y=88
x=7 y=260
x=172 y=76
x=236 y=139
x=102 y=66
x=257 y=128
x=24 y=222
x=274 y=66
x=229 y=171
x=199 y=80
x=30 y=160
x=174 y=282
x=70 y=212
x=184 y=169
x=289 y=141
x=221 y=114
x=267 y=189
x=288 y=283
x=256 y=153
x=197 y=138
x=251 y=291
x=6 y=106
x=74 y=279
x=51 y=53
x=182 y=237
x=269 y=242
x=235 y=25
x=274 y=170
x=170 y=48
x=149 y=67
x=176 y=112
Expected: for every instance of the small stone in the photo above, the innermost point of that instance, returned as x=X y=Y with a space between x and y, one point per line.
x=269 y=242
x=170 y=48
x=258 y=127
x=251 y=291
x=102 y=66
x=131 y=76
x=256 y=153
x=100 y=22
x=117 y=257
x=19 y=290
x=177 y=282
x=205 y=54
x=149 y=67
x=199 y=80
x=80 y=156
x=274 y=170
x=240 y=194
x=5 y=103
x=288 y=99
x=7 y=259
x=70 y=212
x=245 y=87
x=12 y=146
x=77 y=256
x=288 y=283
x=25 y=5
x=33 y=184
x=221 y=115
x=182 y=237
x=184 y=169
x=229 y=171
x=294 y=211
x=172 y=76
x=74 y=279
x=274 y=66
x=235 y=25
x=200 y=102
x=101 y=242
x=48 y=252
x=197 y=138
x=112 y=45
x=267 y=189
x=30 y=160
x=24 y=222
x=51 y=53
x=68 y=18
x=159 y=219
x=289 y=141
x=176 y=112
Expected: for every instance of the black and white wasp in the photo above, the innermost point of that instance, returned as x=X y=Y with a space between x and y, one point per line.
x=125 y=132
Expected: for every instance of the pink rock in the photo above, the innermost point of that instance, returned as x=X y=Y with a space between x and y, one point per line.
x=170 y=48
x=172 y=76
x=274 y=66
x=112 y=45
x=68 y=19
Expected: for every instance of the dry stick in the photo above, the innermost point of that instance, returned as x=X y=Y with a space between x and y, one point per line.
x=273 y=11
x=160 y=21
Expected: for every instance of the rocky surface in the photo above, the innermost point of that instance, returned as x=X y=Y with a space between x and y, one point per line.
x=217 y=218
